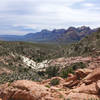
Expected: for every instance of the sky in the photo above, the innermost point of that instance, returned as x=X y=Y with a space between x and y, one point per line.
x=19 y=17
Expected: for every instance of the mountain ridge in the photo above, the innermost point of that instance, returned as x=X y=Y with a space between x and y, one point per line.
x=69 y=35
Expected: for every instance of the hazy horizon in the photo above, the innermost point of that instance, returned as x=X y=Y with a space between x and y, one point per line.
x=19 y=17
x=48 y=30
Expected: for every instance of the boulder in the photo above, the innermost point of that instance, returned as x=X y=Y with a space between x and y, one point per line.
x=82 y=96
x=88 y=89
x=23 y=90
x=92 y=77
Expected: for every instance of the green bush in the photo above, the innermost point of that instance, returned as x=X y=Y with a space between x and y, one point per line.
x=54 y=82
x=64 y=73
x=70 y=69
x=52 y=71
x=78 y=65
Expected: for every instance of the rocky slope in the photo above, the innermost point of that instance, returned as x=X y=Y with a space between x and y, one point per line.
x=90 y=45
x=84 y=84
x=39 y=72
x=21 y=60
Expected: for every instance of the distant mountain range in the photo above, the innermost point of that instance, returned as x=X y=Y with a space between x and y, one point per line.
x=69 y=35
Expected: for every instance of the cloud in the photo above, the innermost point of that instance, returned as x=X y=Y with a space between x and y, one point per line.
x=88 y=4
x=24 y=16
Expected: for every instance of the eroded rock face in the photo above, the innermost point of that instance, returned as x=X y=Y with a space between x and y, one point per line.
x=23 y=90
x=82 y=96
x=74 y=80
x=93 y=76
x=88 y=88
x=83 y=85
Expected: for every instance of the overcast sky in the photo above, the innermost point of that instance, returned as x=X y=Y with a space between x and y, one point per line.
x=25 y=16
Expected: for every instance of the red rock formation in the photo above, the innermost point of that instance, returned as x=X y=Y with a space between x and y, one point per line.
x=84 y=84
x=23 y=90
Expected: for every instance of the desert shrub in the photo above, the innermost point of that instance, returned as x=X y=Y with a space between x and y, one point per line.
x=78 y=65
x=48 y=86
x=20 y=74
x=64 y=73
x=52 y=71
x=70 y=69
x=55 y=81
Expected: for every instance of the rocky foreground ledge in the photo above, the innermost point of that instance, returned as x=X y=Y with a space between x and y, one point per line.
x=83 y=85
